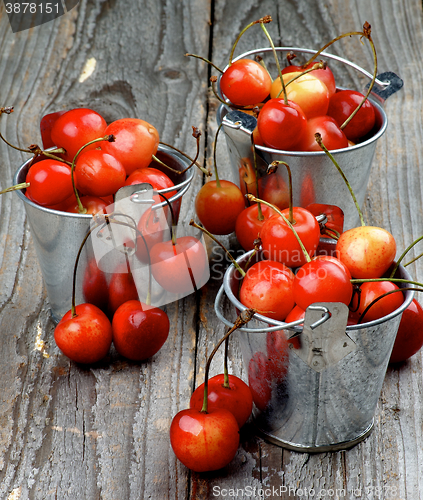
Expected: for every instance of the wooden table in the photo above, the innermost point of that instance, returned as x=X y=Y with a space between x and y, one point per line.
x=73 y=432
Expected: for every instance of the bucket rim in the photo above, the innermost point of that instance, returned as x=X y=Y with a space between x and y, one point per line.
x=375 y=100
x=226 y=289
x=181 y=188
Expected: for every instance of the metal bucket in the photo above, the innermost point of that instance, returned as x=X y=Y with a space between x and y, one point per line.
x=324 y=394
x=58 y=235
x=314 y=177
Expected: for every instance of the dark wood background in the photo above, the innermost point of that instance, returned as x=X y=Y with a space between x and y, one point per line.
x=68 y=432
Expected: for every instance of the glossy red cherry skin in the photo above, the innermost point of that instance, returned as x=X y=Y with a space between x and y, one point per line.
x=281 y=125
x=236 y=398
x=245 y=83
x=332 y=136
x=85 y=338
x=139 y=330
x=267 y=287
x=77 y=127
x=325 y=75
x=342 y=104
x=204 y=441
x=409 y=339
x=279 y=242
x=136 y=141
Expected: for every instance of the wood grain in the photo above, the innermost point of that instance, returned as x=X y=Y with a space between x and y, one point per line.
x=101 y=432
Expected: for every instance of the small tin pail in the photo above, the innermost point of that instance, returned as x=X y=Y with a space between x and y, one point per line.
x=58 y=235
x=318 y=391
x=315 y=179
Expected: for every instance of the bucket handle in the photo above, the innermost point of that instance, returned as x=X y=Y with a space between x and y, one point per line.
x=289 y=326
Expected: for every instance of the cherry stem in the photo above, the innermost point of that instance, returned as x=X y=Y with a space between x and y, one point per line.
x=109 y=138
x=291 y=226
x=172 y=216
x=214 y=156
x=320 y=143
x=241 y=320
x=260 y=60
x=285 y=97
x=291 y=199
x=366 y=33
x=16 y=187
x=113 y=220
x=193 y=162
x=225 y=365
x=393 y=280
x=205 y=60
x=204 y=230
x=75 y=267
x=260 y=215
x=261 y=21
x=360 y=319
x=320 y=65
x=403 y=255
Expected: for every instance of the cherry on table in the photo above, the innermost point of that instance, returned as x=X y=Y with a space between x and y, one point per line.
x=204 y=441
x=236 y=398
x=86 y=337
x=139 y=330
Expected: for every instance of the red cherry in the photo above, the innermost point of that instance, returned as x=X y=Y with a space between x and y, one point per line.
x=77 y=127
x=218 y=206
x=98 y=173
x=260 y=380
x=94 y=286
x=370 y=291
x=367 y=251
x=46 y=124
x=310 y=93
x=156 y=178
x=204 y=441
x=236 y=398
x=245 y=82
x=342 y=104
x=136 y=141
x=332 y=136
x=296 y=314
x=281 y=125
x=324 y=75
x=121 y=288
x=93 y=205
x=248 y=225
x=139 y=330
x=279 y=242
x=50 y=182
x=267 y=287
x=324 y=279
x=85 y=338
x=180 y=267
x=409 y=339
